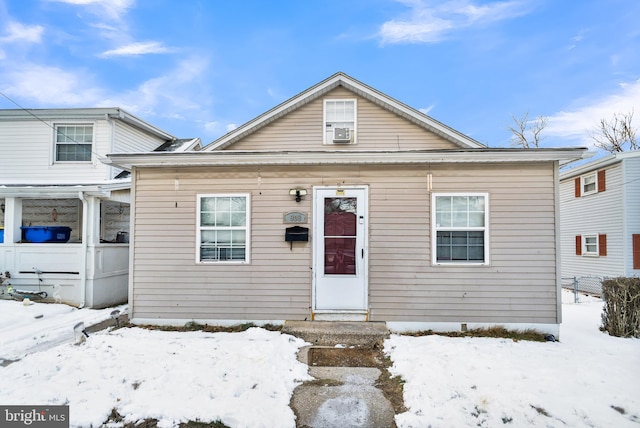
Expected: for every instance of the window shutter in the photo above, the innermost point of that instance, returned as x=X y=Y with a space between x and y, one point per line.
x=636 y=251
x=577 y=185
x=602 y=245
x=578 y=245
x=602 y=181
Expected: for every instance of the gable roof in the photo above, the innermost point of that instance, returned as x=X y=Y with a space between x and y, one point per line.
x=359 y=88
x=96 y=113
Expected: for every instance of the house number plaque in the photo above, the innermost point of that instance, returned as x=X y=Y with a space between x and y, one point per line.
x=295 y=217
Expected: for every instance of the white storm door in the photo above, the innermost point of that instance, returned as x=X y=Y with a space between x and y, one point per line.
x=340 y=249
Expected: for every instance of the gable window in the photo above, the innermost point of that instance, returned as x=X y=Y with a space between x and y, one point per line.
x=460 y=228
x=73 y=143
x=223 y=228
x=594 y=245
x=339 y=121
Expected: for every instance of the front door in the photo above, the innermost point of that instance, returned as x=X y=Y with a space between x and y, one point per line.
x=340 y=249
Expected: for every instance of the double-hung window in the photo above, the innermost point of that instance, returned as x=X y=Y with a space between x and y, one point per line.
x=223 y=228
x=73 y=143
x=590 y=245
x=589 y=184
x=339 y=121
x=460 y=228
x=594 y=244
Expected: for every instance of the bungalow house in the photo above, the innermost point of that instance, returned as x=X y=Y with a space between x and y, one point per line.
x=343 y=203
x=65 y=214
x=600 y=217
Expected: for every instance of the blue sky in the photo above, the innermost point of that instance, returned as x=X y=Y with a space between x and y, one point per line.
x=197 y=68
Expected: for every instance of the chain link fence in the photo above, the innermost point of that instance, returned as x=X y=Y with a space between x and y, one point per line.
x=584 y=284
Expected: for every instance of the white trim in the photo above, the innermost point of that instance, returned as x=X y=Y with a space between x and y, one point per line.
x=586 y=253
x=558 y=242
x=359 y=88
x=597 y=164
x=354 y=132
x=446 y=327
x=247 y=228
x=359 y=316
x=318 y=259
x=485 y=229
x=583 y=178
x=54 y=138
x=340 y=157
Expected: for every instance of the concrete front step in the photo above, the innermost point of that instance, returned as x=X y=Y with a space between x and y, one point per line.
x=331 y=333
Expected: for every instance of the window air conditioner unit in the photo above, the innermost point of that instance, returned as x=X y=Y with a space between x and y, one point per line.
x=341 y=135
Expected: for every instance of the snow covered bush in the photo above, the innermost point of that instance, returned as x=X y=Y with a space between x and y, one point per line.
x=621 y=315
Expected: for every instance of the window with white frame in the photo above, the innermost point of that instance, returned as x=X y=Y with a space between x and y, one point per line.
x=340 y=121
x=73 y=143
x=223 y=228
x=589 y=184
x=460 y=228
x=590 y=245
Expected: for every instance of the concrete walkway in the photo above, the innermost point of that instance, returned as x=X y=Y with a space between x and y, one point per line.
x=340 y=397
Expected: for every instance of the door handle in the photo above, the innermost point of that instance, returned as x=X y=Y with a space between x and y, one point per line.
x=363 y=253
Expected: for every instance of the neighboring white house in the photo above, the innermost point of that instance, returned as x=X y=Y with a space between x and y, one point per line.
x=65 y=214
x=600 y=217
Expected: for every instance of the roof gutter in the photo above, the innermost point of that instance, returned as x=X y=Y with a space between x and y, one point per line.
x=598 y=164
x=140 y=124
x=280 y=158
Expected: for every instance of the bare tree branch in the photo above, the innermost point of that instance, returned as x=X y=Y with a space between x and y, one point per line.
x=527 y=134
x=617 y=134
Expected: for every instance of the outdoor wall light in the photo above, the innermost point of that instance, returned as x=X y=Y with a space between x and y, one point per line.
x=2 y=207
x=298 y=193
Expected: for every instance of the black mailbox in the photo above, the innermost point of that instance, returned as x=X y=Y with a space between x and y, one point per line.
x=296 y=234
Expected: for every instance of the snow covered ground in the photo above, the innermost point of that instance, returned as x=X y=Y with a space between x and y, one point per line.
x=589 y=379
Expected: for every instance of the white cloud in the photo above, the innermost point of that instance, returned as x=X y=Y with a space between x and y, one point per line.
x=139 y=48
x=430 y=24
x=49 y=86
x=17 y=32
x=168 y=94
x=110 y=9
x=427 y=109
x=576 y=124
x=231 y=127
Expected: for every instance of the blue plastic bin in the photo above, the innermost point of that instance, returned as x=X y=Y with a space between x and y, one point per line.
x=1 y=235
x=37 y=234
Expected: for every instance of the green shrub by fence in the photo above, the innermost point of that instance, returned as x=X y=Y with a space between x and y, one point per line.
x=621 y=315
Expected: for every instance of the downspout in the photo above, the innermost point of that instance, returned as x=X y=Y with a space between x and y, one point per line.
x=556 y=208
x=85 y=247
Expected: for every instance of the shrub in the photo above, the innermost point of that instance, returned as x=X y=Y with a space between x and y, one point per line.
x=621 y=315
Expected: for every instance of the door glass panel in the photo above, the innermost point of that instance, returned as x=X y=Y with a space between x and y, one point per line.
x=340 y=236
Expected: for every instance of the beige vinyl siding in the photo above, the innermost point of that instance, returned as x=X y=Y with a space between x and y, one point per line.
x=377 y=129
x=519 y=285
x=597 y=213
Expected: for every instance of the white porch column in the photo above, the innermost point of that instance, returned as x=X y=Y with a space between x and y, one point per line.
x=12 y=220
